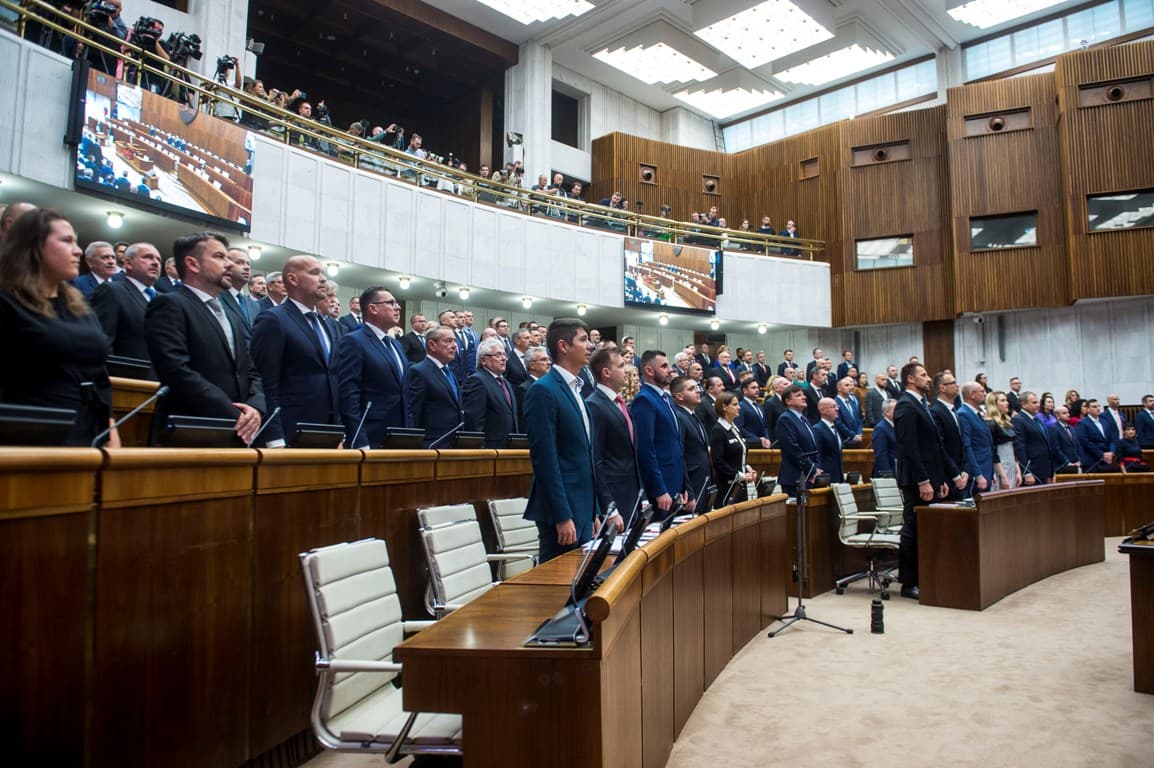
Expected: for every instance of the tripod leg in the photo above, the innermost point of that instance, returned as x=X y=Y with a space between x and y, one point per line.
x=847 y=630
x=785 y=626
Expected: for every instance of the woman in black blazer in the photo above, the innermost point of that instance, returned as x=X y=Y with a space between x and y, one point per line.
x=727 y=452
x=54 y=348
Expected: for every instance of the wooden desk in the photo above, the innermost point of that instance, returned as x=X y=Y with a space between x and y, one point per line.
x=1127 y=499
x=972 y=557
x=1142 y=613
x=828 y=560
x=675 y=609
x=126 y=395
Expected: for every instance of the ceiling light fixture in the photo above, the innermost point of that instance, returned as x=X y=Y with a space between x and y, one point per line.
x=835 y=65
x=332 y=269
x=527 y=302
x=762 y=328
x=730 y=94
x=758 y=35
x=990 y=13
x=463 y=293
x=581 y=309
x=660 y=53
x=254 y=252
x=715 y=323
x=529 y=11
x=115 y=219
x=404 y=281
x=663 y=319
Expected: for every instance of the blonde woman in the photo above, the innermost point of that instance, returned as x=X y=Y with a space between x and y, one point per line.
x=632 y=383
x=1002 y=431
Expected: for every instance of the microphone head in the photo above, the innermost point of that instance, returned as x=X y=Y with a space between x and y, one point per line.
x=164 y=390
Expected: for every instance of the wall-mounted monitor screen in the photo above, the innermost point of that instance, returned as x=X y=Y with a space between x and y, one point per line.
x=671 y=276
x=153 y=152
x=1018 y=230
x=1122 y=210
x=885 y=252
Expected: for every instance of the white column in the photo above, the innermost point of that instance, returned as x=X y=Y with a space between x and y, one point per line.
x=528 y=109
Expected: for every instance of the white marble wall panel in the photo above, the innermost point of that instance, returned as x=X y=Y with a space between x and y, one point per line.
x=305 y=193
x=512 y=245
x=31 y=135
x=367 y=225
x=428 y=238
x=336 y=210
x=399 y=224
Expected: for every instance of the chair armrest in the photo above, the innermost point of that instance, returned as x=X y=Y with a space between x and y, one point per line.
x=511 y=556
x=443 y=610
x=416 y=626
x=355 y=665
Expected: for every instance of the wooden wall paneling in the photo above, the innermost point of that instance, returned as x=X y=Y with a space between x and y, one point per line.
x=894 y=199
x=304 y=499
x=1105 y=149
x=776 y=564
x=746 y=572
x=938 y=348
x=1012 y=171
x=717 y=573
x=47 y=498
x=689 y=621
x=658 y=717
x=465 y=475
x=172 y=610
x=394 y=484
x=126 y=395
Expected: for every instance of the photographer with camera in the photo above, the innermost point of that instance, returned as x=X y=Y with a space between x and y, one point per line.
x=225 y=106
x=105 y=16
x=146 y=33
x=304 y=109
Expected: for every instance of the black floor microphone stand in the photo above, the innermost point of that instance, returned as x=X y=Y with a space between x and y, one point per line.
x=799 y=613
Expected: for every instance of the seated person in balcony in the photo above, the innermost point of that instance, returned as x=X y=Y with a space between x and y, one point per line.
x=790 y=231
x=712 y=218
x=558 y=185
x=766 y=227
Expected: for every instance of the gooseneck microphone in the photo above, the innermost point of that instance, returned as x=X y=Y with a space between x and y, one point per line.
x=100 y=438
x=447 y=435
x=360 y=425
x=271 y=416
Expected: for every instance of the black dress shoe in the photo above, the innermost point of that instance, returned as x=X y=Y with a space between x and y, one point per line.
x=911 y=592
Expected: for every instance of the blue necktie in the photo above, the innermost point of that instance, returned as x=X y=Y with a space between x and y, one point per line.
x=315 y=322
x=452 y=381
x=242 y=302
x=150 y=292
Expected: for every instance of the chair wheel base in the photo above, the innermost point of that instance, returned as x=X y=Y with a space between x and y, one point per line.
x=839 y=590
x=885 y=594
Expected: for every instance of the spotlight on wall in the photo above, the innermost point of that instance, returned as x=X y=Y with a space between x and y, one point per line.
x=581 y=309
x=527 y=302
x=762 y=328
x=254 y=252
x=332 y=268
x=663 y=319
x=404 y=281
x=714 y=324
x=115 y=219
x=463 y=293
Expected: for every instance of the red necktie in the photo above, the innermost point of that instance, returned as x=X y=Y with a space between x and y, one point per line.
x=625 y=412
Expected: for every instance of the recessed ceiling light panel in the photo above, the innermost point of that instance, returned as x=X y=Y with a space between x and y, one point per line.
x=767 y=31
x=530 y=11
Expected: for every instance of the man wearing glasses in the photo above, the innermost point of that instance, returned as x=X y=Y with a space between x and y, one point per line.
x=371 y=369
x=487 y=397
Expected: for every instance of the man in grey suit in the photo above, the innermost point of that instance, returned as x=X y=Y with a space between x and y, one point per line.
x=614 y=441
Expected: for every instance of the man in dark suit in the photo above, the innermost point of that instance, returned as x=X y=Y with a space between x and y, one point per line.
x=614 y=438
x=515 y=371
x=705 y=411
x=893 y=385
x=953 y=441
x=884 y=444
x=466 y=334
x=432 y=392
x=849 y=420
x=694 y=438
x=101 y=261
x=846 y=363
x=761 y=371
x=773 y=406
x=198 y=351
x=877 y=395
x=981 y=461
x=275 y=294
x=487 y=397
x=562 y=494
x=413 y=342
x=1113 y=413
x=658 y=437
x=371 y=369
x=1096 y=440
x=1031 y=444
x=702 y=357
x=751 y=419
x=1013 y=394
x=924 y=468
x=829 y=442
x=815 y=362
x=354 y=319
x=1144 y=423
x=234 y=299
x=1063 y=448
x=796 y=440
x=295 y=349
x=786 y=363
x=814 y=392
x=120 y=305
x=536 y=366
x=169 y=280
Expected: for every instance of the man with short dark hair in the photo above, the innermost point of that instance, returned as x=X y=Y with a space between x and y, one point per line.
x=761 y=370
x=1144 y=423
x=658 y=438
x=257 y=286
x=945 y=385
x=751 y=419
x=829 y=442
x=234 y=299
x=432 y=392
x=198 y=351
x=883 y=443
x=818 y=357
x=714 y=386
x=1014 y=395
x=846 y=363
x=786 y=363
x=413 y=342
x=515 y=370
x=371 y=368
x=487 y=397
x=797 y=442
x=294 y=347
x=275 y=294
x=1097 y=440
x=355 y=318
x=614 y=439
x=694 y=436
x=562 y=496
x=1031 y=443
x=121 y=304
x=815 y=391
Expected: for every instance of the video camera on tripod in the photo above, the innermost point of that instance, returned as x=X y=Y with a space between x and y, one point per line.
x=146 y=31
x=182 y=46
x=99 y=13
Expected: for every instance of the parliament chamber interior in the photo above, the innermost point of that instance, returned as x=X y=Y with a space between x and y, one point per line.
x=973 y=194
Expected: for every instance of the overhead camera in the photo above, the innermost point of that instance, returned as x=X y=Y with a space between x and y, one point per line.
x=182 y=46
x=99 y=13
x=978 y=320
x=439 y=289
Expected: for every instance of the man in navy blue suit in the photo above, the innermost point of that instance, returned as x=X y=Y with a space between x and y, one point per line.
x=487 y=397
x=1063 y=448
x=562 y=494
x=846 y=363
x=694 y=437
x=953 y=441
x=371 y=368
x=355 y=318
x=294 y=348
x=432 y=391
x=884 y=444
x=658 y=437
x=849 y=419
x=828 y=440
x=101 y=260
x=751 y=418
x=1096 y=440
x=1144 y=423
x=1031 y=443
x=796 y=441
x=614 y=439
x=981 y=460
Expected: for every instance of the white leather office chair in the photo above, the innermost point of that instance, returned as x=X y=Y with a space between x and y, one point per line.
x=515 y=534
x=889 y=503
x=357 y=617
x=874 y=543
x=458 y=563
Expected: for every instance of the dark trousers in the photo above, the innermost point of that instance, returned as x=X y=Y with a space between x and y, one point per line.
x=547 y=546
x=908 y=543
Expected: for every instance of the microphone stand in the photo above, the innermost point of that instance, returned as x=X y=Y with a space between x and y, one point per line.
x=442 y=438
x=100 y=438
x=273 y=415
x=799 y=613
x=361 y=424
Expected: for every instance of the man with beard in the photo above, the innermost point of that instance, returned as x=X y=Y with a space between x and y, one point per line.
x=658 y=437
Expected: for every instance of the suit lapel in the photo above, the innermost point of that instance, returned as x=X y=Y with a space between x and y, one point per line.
x=304 y=326
x=379 y=345
x=207 y=315
x=567 y=395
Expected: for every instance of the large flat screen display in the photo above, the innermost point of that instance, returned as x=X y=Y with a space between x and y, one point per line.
x=150 y=151
x=671 y=276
